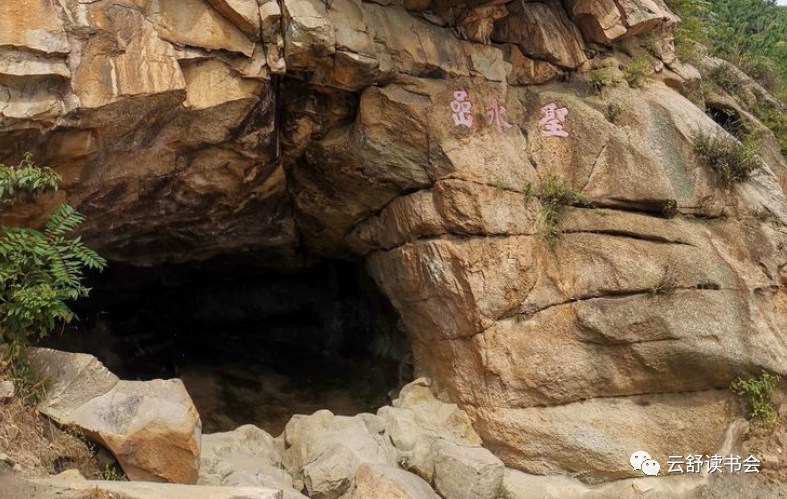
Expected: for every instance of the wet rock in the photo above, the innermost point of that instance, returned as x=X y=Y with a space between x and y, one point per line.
x=152 y=427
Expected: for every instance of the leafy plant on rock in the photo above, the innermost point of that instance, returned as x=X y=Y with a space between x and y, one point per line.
x=613 y=112
x=555 y=194
x=40 y=270
x=758 y=393
x=731 y=159
x=636 y=73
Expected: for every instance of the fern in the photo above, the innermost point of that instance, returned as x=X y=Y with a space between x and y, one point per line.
x=40 y=271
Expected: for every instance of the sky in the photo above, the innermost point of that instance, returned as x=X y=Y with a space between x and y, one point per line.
x=781 y=2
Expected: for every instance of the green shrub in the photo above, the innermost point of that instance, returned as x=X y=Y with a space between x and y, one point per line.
x=732 y=160
x=636 y=73
x=693 y=29
x=40 y=270
x=726 y=79
x=613 y=111
x=776 y=120
x=554 y=195
x=600 y=78
x=758 y=393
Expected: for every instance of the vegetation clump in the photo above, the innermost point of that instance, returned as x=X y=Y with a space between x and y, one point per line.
x=613 y=112
x=40 y=270
x=636 y=73
x=555 y=194
x=748 y=33
x=600 y=78
x=666 y=285
x=732 y=160
x=758 y=393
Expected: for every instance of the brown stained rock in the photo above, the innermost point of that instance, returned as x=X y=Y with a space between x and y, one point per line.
x=542 y=31
x=308 y=36
x=527 y=71
x=177 y=146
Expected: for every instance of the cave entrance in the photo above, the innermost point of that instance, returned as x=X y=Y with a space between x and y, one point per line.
x=727 y=118
x=250 y=346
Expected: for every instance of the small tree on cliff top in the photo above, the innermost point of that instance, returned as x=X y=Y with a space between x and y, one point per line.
x=40 y=270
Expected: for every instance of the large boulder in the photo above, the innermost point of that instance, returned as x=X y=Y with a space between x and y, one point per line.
x=151 y=427
x=245 y=457
x=378 y=481
x=325 y=451
x=509 y=324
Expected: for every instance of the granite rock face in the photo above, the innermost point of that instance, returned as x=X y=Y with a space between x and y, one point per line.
x=419 y=136
x=151 y=427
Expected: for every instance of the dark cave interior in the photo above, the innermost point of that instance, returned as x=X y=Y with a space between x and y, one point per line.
x=251 y=346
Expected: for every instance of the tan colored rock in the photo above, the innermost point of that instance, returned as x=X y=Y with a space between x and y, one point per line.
x=212 y=83
x=644 y=15
x=244 y=457
x=102 y=78
x=152 y=428
x=542 y=31
x=599 y=20
x=245 y=14
x=196 y=23
x=307 y=33
x=32 y=25
x=325 y=451
x=477 y=24
x=143 y=490
x=418 y=424
x=467 y=472
x=373 y=481
x=527 y=71
x=21 y=63
x=593 y=438
x=488 y=62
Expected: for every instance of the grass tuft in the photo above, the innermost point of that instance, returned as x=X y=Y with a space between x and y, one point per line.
x=732 y=160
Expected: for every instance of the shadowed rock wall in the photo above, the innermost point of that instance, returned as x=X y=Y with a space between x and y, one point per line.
x=413 y=134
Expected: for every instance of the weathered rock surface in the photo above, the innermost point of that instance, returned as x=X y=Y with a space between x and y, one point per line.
x=144 y=490
x=405 y=450
x=389 y=482
x=417 y=135
x=152 y=427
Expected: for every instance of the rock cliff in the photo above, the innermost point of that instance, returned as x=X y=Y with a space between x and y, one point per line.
x=420 y=135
